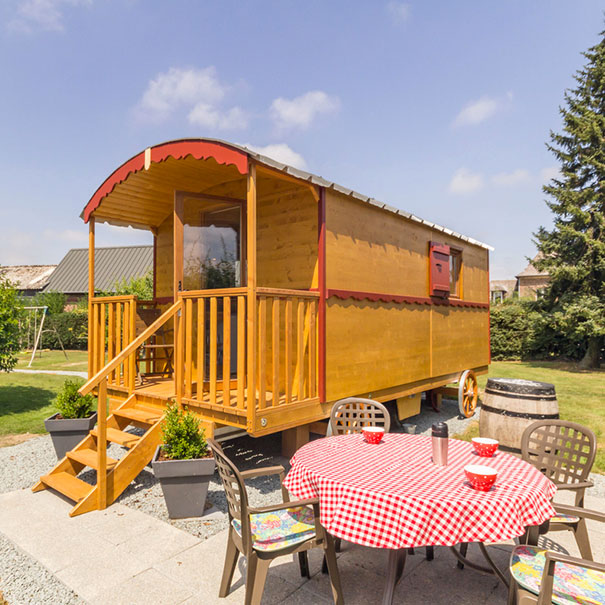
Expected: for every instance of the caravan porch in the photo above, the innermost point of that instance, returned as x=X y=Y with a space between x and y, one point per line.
x=260 y=381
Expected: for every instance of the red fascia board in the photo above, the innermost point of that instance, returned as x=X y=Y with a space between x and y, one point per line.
x=396 y=298
x=177 y=150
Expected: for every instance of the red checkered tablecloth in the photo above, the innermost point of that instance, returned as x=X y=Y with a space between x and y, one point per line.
x=391 y=495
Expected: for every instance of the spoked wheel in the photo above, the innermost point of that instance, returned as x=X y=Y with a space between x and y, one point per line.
x=468 y=393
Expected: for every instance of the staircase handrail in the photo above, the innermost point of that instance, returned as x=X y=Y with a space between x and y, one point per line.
x=131 y=348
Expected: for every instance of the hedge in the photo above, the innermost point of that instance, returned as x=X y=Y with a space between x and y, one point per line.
x=72 y=328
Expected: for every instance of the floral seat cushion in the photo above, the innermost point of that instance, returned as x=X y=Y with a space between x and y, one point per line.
x=561 y=518
x=280 y=529
x=572 y=584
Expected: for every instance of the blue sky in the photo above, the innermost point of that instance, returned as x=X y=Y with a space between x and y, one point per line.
x=439 y=108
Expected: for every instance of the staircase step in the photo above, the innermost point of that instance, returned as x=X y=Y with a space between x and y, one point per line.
x=68 y=485
x=89 y=458
x=139 y=414
x=119 y=437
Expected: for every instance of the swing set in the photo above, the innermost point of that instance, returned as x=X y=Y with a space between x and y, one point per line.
x=31 y=331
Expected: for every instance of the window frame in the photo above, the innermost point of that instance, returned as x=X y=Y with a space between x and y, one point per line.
x=456 y=253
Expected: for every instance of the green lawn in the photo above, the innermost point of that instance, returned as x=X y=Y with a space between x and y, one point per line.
x=77 y=361
x=580 y=393
x=25 y=401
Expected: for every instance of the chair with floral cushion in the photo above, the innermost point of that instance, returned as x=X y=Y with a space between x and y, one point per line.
x=543 y=577
x=264 y=533
x=564 y=452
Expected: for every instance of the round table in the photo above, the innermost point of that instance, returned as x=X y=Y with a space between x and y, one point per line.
x=391 y=495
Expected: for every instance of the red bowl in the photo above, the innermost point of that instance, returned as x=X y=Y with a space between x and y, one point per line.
x=373 y=434
x=485 y=447
x=481 y=477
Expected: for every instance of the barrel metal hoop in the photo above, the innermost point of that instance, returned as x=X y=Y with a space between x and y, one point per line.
x=525 y=415
x=532 y=397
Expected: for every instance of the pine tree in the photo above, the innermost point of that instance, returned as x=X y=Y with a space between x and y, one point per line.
x=573 y=252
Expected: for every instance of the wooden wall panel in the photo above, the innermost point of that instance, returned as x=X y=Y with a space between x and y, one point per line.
x=164 y=262
x=370 y=250
x=460 y=339
x=373 y=346
x=287 y=240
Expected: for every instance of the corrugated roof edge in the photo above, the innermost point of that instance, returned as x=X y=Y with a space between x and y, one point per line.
x=321 y=182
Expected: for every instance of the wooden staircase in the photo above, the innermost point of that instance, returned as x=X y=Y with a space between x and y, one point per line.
x=119 y=473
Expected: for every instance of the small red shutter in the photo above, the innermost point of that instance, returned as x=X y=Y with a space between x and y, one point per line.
x=439 y=257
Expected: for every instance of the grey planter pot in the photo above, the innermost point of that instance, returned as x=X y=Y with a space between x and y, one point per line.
x=184 y=484
x=66 y=433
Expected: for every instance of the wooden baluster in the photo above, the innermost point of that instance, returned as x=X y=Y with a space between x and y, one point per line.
x=275 y=346
x=110 y=336
x=119 y=347
x=188 y=346
x=201 y=343
x=226 y=351
x=125 y=334
x=288 y=358
x=132 y=371
x=300 y=357
x=102 y=445
x=213 y=338
x=241 y=351
x=101 y=336
x=262 y=352
x=312 y=350
x=179 y=354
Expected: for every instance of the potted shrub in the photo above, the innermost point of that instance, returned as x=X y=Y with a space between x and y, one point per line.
x=183 y=464
x=73 y=421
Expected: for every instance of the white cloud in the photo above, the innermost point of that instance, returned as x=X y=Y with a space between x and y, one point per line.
x=549 y=173
x=206 y=115
x=45 y=15
x=196 y=91
x=464 y=181
x=482 y=109
x=301 y=111
x=280 y=152
x=510 y=179
x=398 y=11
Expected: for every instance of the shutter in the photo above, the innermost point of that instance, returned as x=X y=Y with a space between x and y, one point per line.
x=439 y=258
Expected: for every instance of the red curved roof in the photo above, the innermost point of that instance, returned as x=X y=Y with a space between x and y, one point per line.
x=197 y=148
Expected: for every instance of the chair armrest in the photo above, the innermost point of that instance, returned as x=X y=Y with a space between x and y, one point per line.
x=273 y=507
x=583 y=513
x=266 y=470
x=546 y=583
x=579 y=485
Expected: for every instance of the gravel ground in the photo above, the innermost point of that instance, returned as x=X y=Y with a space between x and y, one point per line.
x=24 y=581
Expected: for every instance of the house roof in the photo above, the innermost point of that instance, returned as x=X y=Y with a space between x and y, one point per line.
x=27 y=277
x=531 y=271
x=231 y=154
x=502 y=285
x=111 y=265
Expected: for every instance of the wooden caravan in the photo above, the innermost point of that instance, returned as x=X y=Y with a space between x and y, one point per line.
x=276 y=293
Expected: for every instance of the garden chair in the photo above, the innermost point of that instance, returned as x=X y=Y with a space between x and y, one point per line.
x=264 y=533
x=350 y=415
x=157 y=349
x=564 y=452
x=543 y=577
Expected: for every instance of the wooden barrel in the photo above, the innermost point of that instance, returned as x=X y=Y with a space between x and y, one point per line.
x=511 y=404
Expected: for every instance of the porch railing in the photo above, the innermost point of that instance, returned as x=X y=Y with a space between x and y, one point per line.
x=211 y=350
x=111 y=330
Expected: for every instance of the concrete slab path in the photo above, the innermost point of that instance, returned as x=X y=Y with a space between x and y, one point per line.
x=123 y=556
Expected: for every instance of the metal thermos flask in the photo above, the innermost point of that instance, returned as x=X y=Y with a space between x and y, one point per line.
x=439 y=433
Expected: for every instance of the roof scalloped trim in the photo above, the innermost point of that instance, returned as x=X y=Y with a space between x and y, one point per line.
x=197 y=148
